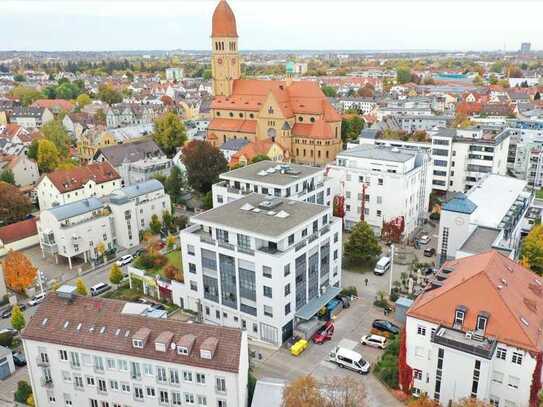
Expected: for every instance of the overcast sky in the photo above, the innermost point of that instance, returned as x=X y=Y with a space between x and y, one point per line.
x=271 y=24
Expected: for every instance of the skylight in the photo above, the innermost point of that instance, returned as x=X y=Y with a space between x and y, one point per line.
x=247 y=207
x=524 y=321
x=282 y=214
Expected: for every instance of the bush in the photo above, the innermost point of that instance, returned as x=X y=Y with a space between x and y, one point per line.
x=137 y=284
x=6 y=339
x=386 y=369
x=30 y=401
x=251 y=383
x=23 y=391
x=348 y=291
x=159 y=261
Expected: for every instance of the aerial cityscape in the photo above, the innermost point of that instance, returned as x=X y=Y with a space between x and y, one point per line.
x=230 y=203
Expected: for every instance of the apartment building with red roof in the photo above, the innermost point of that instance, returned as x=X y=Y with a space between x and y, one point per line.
x=296 y=114
x=476 y=331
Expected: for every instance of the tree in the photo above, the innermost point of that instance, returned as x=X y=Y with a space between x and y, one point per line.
x=302 y=392
x=260 y=157
x=207 y=200
x=170 y=241
x=48 y=157
x=155 y=225
x=344 y=392
x=83 y=100
x=351 y=126
x=461 y=121
x=169 y=133
x=532 y=249
x=55 y=132
x=14 y=205
x=405 y=373
x=329 y=91
x=7 y=176
x=101 y=248
x=478 y=81
x=23 y=391
x=535 y=387
x=423 y=401
x=32 y=151
x=366 y=91
x=81 y=287
x=403 y=75
x=362 y=245
x=471 y=402
x=17 y=318
x=100 y=117
x=115 y=274
x=107 y=94
x=175 y=183
x=25 y=94
x=204 y=164
x=19 y=273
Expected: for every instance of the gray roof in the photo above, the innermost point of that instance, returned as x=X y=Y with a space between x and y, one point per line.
x=480 y=240
x=124 y=195
x=446 y=132
x=384 y=153
x=261 y=223
x=130 y=152
x=310 y=309
x=76 y=208
x=268 y=392
x=234 y=144
x=251 y=172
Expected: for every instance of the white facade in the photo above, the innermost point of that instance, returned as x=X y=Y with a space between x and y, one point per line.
x=143 y=170
x=387 y=182
x=500 y=380
x=461 y=157
x=25 y=171
x=299 y=182
x=49 y=196
x=75 y=229
x=257 y=269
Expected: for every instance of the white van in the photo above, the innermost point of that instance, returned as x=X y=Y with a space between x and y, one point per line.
x=382 y=266
x=99 y=289
x=350 y=359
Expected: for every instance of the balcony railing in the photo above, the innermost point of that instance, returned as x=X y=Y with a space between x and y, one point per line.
x=468 y=342
x=46 y=382
x=41 y=362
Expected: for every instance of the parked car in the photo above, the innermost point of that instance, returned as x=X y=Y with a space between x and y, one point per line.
x=299 y=347
x=424 y=239
x=349 y=359
x=386 y=326
x=36 y=299
x=10 y=331
x=125 y=260
x=7 y=311
x=345 y=300
x=99 y=288
x=158 y=306
x=376 y=341
x=382 y=266
x=19 y=358
x=325 y=333
x=427 y=271
x=429 y=252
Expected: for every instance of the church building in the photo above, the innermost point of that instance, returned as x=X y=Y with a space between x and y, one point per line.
x=293 y=114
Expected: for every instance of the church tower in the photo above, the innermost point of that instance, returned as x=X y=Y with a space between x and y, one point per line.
x=225 y=64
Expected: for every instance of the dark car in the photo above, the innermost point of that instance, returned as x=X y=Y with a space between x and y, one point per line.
x=429 y=252
x=7 y=312
x=19 y=359
x=427 y=271
x=158 y=306
x=386 y=326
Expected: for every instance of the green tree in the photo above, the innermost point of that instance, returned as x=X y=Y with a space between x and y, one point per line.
x=81 y=287
x=403 y=75
x=204 y=164
x=478 y=81
x=329 y=91
x=107 y=94
x=175 y=183
x=351 y=126
x=207 y=200
x=83 y=100
x=18 y=321
x=14 y=205
x=23 y=392
x=48 y=158
x=25 y=94
x=100 y=117
x=7 y=176
x=169 y=133
x=67 y=90
x=532 y=249
x=155 y=225
x=55 y=132
x=167 y=219
x=32 y=151
x=116 y=274
x=362 y=245
x=260 y=157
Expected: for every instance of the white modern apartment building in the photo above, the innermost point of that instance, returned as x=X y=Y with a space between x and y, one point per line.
x=64 y=186
x=75 y=229
x=89 y=352
x=463 y=156
x=261 y=264
x=475 y=332
x=494 y=214
x=381 y=183
x=294 y=181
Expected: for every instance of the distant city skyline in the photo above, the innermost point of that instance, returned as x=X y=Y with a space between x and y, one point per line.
x=87 y=25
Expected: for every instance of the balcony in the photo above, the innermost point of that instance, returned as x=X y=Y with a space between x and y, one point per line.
x=468 y=342
x=46 y=382
x=226 y=245
x=206 y=238
x=41 y=362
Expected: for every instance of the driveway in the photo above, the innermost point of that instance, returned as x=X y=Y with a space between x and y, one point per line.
x=350 y=325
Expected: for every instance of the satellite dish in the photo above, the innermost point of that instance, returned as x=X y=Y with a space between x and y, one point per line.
x=172 y=346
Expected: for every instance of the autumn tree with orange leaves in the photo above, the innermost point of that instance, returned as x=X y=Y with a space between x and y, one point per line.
x=19 y=272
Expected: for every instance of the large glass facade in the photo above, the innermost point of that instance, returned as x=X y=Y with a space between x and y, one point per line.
x=313 y=276
x=228 y=281
x=300 y=281
x=211 y=288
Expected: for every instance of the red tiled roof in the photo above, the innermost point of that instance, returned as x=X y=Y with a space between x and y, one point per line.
x=120 y=328
x=491 y=282
x=234 y=125
x=75 y=178
x=17 y=231
x=223 y=23
x=52 y=103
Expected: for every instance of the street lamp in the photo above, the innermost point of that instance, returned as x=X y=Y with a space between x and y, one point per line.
x=391 y=269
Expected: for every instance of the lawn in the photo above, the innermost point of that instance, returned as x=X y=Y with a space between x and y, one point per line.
x=174 y=259
x=539 y=194
x=124 y=293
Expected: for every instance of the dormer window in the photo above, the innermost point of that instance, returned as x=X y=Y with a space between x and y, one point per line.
x=205 y=354
x=181 y=350
x=137 y=343
x=459 y=316
x=482 y=321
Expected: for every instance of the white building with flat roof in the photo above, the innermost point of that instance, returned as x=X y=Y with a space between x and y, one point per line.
x=85 y=351
x=488 y=216
x=294 y=181
x=382 y=183
x=261 y=264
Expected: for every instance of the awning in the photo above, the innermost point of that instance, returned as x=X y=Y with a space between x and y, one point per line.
x=310 y=309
